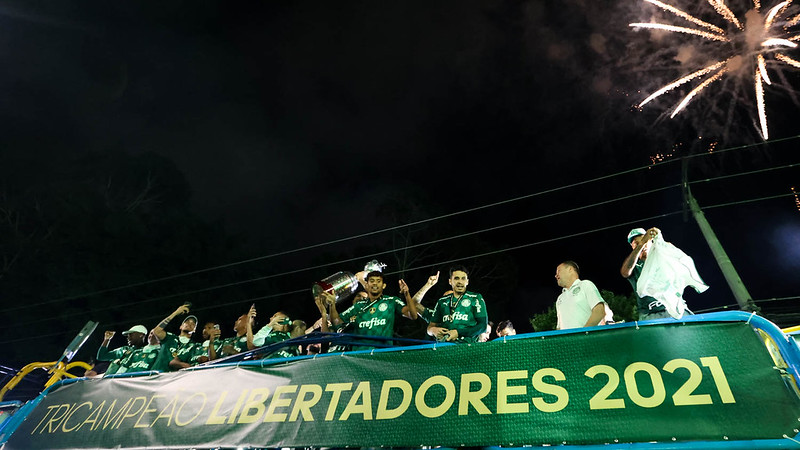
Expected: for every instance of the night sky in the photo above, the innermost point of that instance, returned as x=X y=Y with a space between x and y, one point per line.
x=148 y=140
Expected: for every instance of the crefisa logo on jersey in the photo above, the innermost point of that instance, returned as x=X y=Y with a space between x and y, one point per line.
x=455 y=316
x=374 y=322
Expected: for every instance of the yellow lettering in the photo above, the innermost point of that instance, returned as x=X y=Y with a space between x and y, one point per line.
x=237 y=406
x=109 y=418
x=659 y=392
x=303 y=405
x=213 y=418
x=278 y=402
x=449 y=398
x=364 y=408
x=128 y=413
x=474 y=398
x=145 y=411
x=53 y=419
x=64 y=425
x=504 y=391
x=383 y=411
x=197 y=409
x=561 y=394
x=336 y=389
x=255 y=401
x=62 y=418
x=46 y=415
x=171 y=405
x=92 y=419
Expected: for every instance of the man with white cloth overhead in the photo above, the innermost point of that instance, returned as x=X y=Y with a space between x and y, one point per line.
x=659 y=272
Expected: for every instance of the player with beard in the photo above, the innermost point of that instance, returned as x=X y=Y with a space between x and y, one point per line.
x=460 y=316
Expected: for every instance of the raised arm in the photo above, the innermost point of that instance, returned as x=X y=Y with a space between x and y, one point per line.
x=213 y=335
x=251 y=318
x=426 y=287
x=362 y=278
x=159 y=330
x=103 y=353
x=630 y=262
x=410 y=310
x=334 y=314
x=321 y=301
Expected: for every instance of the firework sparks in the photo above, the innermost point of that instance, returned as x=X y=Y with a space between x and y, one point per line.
x=757 y=43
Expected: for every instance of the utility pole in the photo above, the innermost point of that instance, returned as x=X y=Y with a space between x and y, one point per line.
x=740 y=292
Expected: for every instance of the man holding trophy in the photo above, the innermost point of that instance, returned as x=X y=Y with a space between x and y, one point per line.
x=373 y=316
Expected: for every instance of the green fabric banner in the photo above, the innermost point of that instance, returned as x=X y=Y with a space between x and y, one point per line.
x=692 y=381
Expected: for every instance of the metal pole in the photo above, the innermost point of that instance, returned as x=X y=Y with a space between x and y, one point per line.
x=743 y=297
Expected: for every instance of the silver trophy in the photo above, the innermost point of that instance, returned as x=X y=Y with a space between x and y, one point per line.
x=374 y=266
x=341 y=284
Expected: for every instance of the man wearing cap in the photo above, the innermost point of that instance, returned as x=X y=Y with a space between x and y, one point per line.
x=640 y=241
x=580 y=303
x=171 y=344
x=198 y=353
x=122 y=357
x=374 y=316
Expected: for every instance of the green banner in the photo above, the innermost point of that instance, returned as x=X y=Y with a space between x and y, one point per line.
x=692 y=381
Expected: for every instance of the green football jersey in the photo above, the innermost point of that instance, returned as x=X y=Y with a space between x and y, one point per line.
x=115 y=356
x=198 y=351
x=239 y=343
x=279 y=336
x=373 y=318
x=461 y=314
x=143 y=359
x=426 y=314
x=171 y=345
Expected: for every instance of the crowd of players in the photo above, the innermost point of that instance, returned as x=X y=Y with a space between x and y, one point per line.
x=459 y=316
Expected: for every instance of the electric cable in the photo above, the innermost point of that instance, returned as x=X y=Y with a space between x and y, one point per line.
x=517 y=247
x=237 y=283
x=291 y=272
x=384 y=230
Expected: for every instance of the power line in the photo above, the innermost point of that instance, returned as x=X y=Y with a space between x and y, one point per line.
x=262 y=278
x=777 y=299
x=752 y=172
x=144 y=319
x=291 y=272
x=742 y=202
x=384 y=230
x=741 y=147
x=341 y=240
x=142 y=283
x=440 y=263
x=413 y=268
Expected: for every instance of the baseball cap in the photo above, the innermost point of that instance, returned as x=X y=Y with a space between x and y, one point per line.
x=135 y=329
x=190 y=317
x=635 y=232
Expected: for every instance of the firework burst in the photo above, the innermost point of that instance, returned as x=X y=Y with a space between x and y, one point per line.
x=749 y=48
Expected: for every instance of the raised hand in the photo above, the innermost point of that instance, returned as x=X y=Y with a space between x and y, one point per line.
x=403 y=286
x=432 y=280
